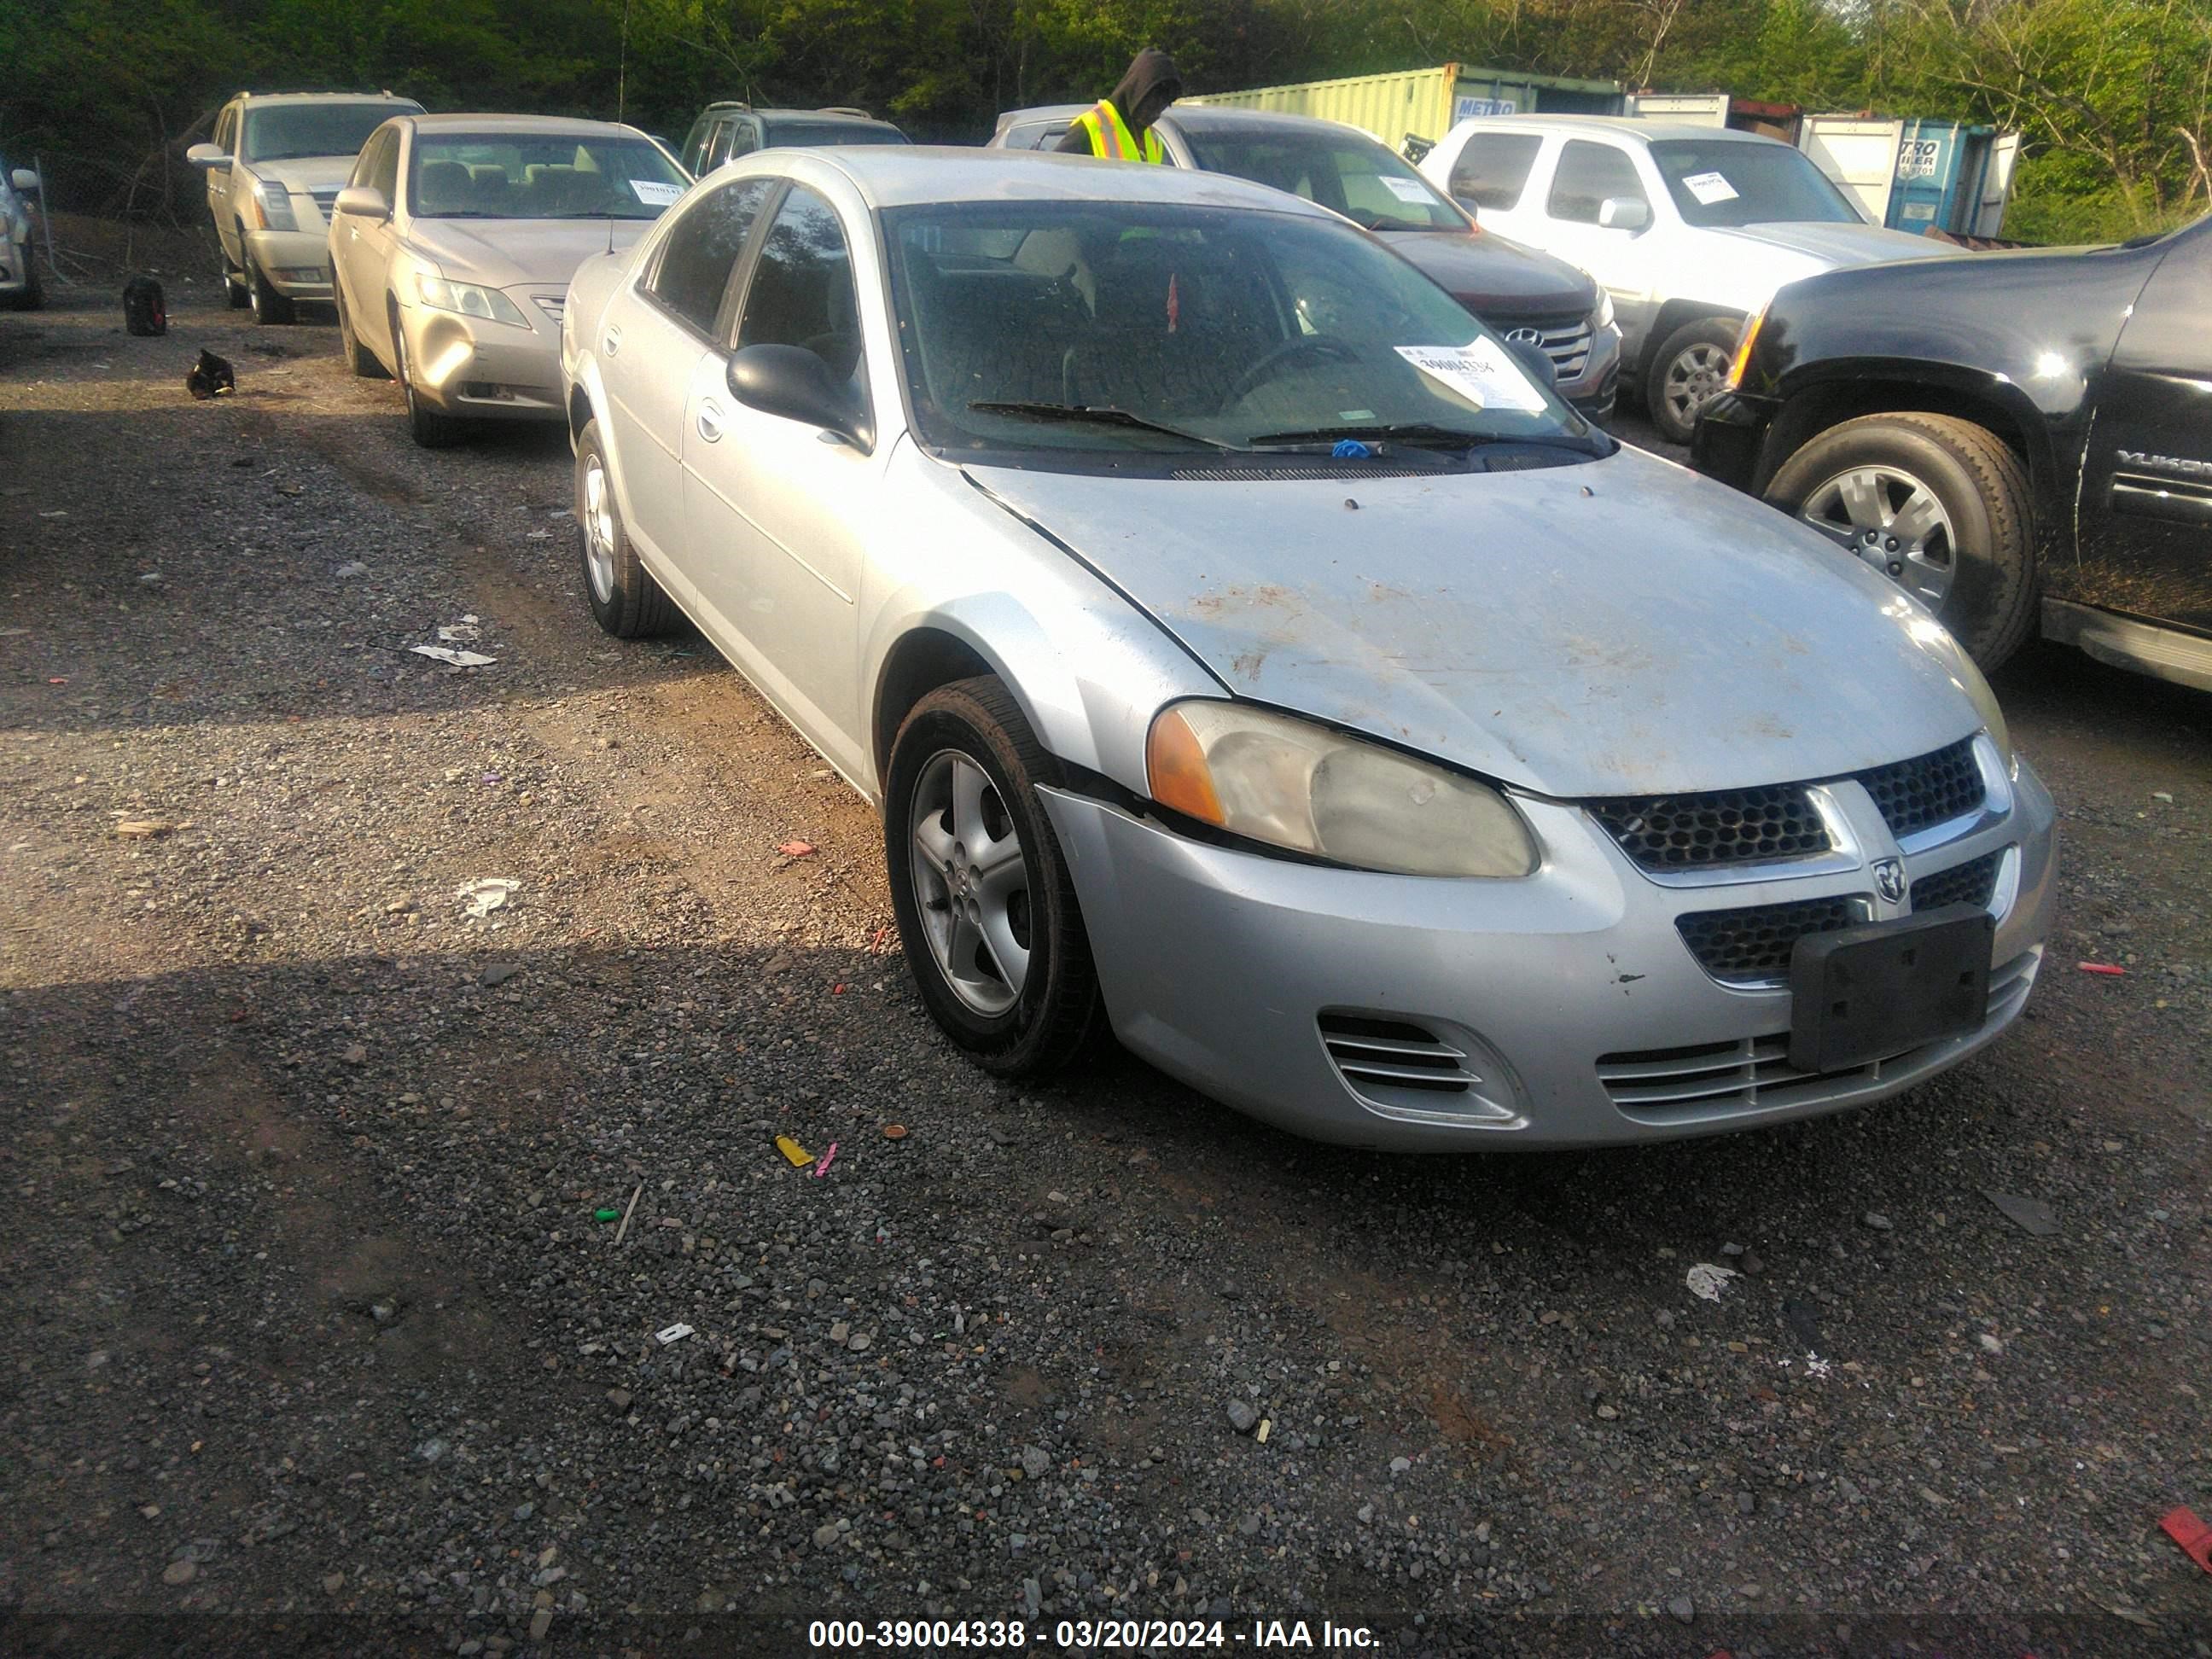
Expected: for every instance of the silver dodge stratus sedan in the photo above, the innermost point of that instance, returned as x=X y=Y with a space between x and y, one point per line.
x=1249 y=654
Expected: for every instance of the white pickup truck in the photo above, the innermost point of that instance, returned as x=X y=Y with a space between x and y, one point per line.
x=1690 y=228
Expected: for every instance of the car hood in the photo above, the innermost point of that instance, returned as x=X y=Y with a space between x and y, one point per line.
x=1488 y=274
x=517 y=252
x=1843 y=245
x=301 y=173
x=1622 y=627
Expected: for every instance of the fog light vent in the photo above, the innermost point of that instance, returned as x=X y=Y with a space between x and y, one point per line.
x=1402 y=1068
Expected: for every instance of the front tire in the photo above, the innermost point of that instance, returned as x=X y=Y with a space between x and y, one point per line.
x=1938 y=505
x=1691 y=366
x=432 y=429
x=270 y=308
x=986 y=903
x=625 y=600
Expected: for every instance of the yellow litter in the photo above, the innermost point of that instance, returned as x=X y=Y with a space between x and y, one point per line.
x=1265 y=1424
x=799 y=1155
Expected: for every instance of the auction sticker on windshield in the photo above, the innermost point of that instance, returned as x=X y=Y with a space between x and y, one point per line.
x=1709 y=188
x=1406 y=190
x=1484 y=374
x=653 y=193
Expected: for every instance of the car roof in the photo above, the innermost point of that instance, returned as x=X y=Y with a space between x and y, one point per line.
x=551 y=126
x=324 y=98
x=911 y=175
x=844 y=116
x=1625 y=126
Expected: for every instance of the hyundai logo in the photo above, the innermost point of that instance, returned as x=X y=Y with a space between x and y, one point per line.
x=1889 y=879
x=1525 y=336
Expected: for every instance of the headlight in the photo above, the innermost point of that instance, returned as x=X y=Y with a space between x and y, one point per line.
x=273 y=203
x=1601 y=319
x=1938 y=643
x=469 y=300
x=1303 y=788
x=1744 y=343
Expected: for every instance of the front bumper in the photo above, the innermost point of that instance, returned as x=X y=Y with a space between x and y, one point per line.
x=1574 y=1007
x=1729 y=437
x=482 y=370
x=297 y=263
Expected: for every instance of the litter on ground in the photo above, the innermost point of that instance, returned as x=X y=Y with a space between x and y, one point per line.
x=1707 y=1280
x=798 y=1155
x=670 y=1334
x=458 y=658
x=823 y=1168
x=486 y=893
x=2030 y=1215
x=796 y=849
x=143 y=828
x=457 y=633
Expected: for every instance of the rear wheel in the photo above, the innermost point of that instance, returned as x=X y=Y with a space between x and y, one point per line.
x=359 y=358
x=1938 y=505
x=1691 y=366
x=625 y=600
x=269 y=307
x=986 y=903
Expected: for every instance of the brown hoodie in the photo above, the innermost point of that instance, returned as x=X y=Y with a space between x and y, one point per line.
x=1151 y=70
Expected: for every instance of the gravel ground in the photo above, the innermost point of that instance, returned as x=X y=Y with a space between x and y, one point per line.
x=313 y=1315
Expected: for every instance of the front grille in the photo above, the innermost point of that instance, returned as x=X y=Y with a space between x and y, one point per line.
x=1971 y=882
x=1753 y=941
x=1727 y=826
x=1929 y=789
x=325 y=200
x=1716 y=1080
x=1564 y=339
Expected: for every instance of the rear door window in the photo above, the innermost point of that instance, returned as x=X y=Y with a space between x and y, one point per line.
x=1588 y=174
x=702 y=249
x=1492 y=169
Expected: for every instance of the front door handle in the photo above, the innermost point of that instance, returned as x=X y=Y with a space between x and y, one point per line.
x=613 y=341
x=710 y=421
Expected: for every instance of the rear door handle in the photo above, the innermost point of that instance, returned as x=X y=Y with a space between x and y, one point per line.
x=710 y=421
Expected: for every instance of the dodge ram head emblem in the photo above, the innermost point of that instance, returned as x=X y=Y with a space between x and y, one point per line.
x=1889 y=879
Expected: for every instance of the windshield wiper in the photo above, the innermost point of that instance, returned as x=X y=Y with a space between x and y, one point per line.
x=1418 y=434
x=1102 y=416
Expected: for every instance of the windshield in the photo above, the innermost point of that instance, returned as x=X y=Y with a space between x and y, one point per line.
x=1195 y=327
x=285 y=132
x=794 y=134
x=1718 y=183
x=540 y=176
x=1344 y=171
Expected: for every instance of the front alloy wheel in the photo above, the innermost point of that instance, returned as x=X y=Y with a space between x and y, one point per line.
x=971 y=883
x=1894 y=522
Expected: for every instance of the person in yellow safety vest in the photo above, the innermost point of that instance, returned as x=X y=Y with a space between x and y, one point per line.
x=1119 y=126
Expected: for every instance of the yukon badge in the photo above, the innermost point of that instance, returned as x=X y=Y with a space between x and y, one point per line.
x=2169 y=463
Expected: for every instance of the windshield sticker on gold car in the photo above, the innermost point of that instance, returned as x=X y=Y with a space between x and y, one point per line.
x=653 y=193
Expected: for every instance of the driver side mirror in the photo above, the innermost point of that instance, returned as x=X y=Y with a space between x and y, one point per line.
x=209 y=156
x=1627 y=213
x=794 y=383
x=1531 y=356
x=363 y=202
x=25 y=181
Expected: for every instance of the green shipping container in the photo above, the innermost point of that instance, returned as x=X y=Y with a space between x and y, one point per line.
x=1426 y=104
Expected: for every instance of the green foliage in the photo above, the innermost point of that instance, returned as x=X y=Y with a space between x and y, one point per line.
x=2111 y=94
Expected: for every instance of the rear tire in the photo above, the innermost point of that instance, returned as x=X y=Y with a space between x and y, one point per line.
x=625 y=600
x=1023 y=908
x=432 y=429
x=1691 y=365
x=270 y=308
x=1987 y=565
x=358 y=357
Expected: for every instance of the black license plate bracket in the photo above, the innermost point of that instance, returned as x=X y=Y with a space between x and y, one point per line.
x=1864 y=993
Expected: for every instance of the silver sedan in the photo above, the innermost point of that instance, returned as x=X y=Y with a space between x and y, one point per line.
x=452 y=244
x=1250 y=655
